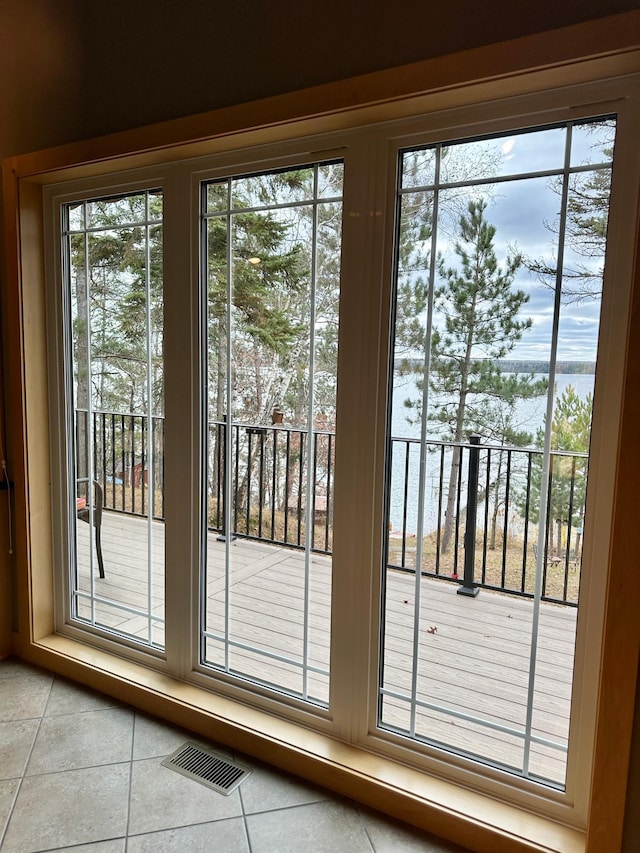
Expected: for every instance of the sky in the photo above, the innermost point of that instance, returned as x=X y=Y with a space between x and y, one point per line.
x=524 y=212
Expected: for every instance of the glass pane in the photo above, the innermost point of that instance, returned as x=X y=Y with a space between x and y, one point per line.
x=273 y=276
x=330 y=179
x=273 y=188
x=76 y=216
x=592 y=142
x=418 y=168
x=217 y=196
x=494 y=356
x=518 y=153
x=116 y=406
x=124 y=210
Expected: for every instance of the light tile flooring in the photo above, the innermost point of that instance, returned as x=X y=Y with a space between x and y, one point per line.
x=80 y=771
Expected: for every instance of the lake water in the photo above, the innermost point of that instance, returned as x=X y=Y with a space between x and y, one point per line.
x=529 y=416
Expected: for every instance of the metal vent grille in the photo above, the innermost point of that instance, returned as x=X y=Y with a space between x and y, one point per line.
x=207 y=767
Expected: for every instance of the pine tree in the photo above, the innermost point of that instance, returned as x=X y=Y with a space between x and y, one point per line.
x=110 y=290
x=116 y=279
x=570 y=432
x=271 y=297
x=478 y=321
x=586 y=225
x=272 y=263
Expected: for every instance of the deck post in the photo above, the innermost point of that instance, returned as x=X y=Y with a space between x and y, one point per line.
x=222 y=536
x=469 y=587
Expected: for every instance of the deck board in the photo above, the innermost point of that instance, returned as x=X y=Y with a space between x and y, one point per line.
x=473 y=653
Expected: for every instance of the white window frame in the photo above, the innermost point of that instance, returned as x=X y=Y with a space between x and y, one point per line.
x=60 y=452
x=361 y=407
x=284 y=155
x=598 y=100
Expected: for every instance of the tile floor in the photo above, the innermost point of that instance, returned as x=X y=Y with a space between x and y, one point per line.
x=80 y=771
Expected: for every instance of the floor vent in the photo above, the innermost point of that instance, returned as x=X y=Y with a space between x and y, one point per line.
x=207 y=767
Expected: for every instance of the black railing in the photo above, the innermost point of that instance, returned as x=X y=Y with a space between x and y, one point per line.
x=490 y=539
x=269 y=484
x=485 y=536
x=123 y=456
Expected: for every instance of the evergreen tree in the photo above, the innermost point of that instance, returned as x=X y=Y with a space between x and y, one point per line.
x=272 y=293
x=478 y=321
x=586 y=225
x=570 y=432
x=116 y=291
x=271 y=297
x=264 y=330
x=113 y=284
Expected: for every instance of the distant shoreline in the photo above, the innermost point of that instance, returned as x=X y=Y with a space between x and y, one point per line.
x=515 y=366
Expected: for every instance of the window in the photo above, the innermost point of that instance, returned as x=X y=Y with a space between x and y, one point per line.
x=112 y=257
x=272 y=279
x=500 y=249
x=198 y=307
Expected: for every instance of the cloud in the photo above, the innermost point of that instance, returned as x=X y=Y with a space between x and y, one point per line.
x=525 y=213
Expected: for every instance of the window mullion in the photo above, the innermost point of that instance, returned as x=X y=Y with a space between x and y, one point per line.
x=181 y=422
x=228 y=427
x=423 y=443
x=150 y=449
x=356 y=528
x=546 y=458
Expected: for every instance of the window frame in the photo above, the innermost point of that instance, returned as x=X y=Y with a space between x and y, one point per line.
x=390 y=139
x=38 y=643
x=60 y=426
x=292 y=153
x=605 y=428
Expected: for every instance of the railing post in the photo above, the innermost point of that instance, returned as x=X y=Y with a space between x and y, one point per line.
x=222 y=537
x=468 y=585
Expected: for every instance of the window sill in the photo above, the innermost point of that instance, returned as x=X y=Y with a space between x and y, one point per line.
x=462 y=816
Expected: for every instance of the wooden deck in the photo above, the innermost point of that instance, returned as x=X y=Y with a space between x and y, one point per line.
x=473 y=653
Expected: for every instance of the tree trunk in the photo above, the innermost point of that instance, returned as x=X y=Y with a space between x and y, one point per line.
x=496 y=505
x=449 y=517
x=81 y=353
x=221 y=373
x=456 y=455
x=559 y=537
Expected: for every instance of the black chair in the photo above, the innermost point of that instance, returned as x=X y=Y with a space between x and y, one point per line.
x=84 y=514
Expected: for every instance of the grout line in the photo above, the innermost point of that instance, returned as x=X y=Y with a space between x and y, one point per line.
x=26 y=764
x=133 y=742
x=83 y=844
x=244 y=814
x=295 y=806
x=86 y=711
x=150 y=832
x=46 y=704
x=365 y=830
x=246 y=832
x=10 y=815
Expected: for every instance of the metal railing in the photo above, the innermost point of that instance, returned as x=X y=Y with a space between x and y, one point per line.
x=487 y=539
x=492 y=533
x=121 y=454
x=270 y=486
